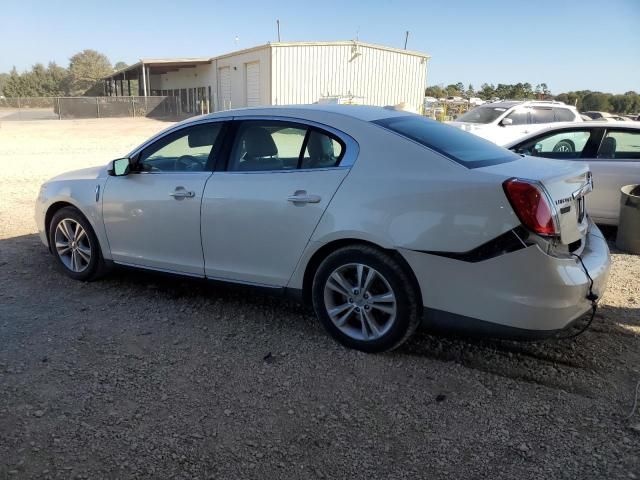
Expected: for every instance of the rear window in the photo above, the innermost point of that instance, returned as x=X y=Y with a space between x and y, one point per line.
x=462 y=147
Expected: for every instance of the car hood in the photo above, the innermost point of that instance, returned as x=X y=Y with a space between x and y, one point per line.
x=90 y=173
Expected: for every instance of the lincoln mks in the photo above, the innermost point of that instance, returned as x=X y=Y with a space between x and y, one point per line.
x=375 y=217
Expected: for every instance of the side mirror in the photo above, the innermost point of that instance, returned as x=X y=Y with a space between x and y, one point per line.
x=506 y=122
x=119 y=167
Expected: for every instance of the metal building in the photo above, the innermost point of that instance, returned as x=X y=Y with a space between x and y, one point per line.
x=280 y=74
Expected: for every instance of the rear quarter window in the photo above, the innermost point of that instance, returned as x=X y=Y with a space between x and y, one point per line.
x=462 y=147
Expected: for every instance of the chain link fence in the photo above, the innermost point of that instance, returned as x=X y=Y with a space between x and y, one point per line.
x=62 y=108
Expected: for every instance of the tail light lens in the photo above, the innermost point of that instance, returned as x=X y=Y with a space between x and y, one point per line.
x=531 y=205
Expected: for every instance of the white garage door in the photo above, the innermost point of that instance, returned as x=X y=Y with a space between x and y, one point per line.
x=253 y=84
x=224 y=88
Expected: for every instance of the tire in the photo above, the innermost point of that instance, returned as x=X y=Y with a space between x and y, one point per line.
x=64 y=225
x=564 y=146
x=350 y=322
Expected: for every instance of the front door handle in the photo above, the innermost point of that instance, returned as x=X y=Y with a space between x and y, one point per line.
x=301 y=196
x=180 y=192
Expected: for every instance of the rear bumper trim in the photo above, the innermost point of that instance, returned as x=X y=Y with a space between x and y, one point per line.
x=441 y=321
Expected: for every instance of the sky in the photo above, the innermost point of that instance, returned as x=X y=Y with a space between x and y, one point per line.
x=568 y=44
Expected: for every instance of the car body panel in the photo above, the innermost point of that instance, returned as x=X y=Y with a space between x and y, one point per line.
x=527 y=289
x=251 y=232
x=81 y=189
x=147 y=227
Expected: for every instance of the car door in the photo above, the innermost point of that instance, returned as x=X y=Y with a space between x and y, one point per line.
x=260 y=211
x=616 y=164
x=513 y=125
x=152 y=215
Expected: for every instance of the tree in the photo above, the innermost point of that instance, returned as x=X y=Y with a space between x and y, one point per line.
x=456 y=90
x=120 y=65
x=470 y=91
x=487 y=92
x=435 y=91
x=596 y=101
x=4 y=77
x=86 y=69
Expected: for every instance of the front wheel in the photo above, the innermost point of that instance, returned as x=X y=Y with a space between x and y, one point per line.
x=75 y=245
x=365 y=299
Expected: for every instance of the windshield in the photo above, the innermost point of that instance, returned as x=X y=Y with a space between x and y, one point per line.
x=462 y=147
x=481 y=115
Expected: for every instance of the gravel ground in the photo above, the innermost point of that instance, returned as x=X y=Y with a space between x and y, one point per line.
x=143 y=376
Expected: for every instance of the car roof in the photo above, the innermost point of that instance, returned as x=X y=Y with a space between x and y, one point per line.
x=535 y=103
x=568 y=125
x=361 y=112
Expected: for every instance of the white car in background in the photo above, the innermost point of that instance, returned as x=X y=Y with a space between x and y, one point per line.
x=612 y=150
x=376 y=217
x=504 y=121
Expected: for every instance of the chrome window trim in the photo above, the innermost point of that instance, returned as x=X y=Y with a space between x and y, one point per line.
x=351 y=147
x=293 y=170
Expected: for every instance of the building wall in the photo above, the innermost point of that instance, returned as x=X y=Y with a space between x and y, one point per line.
x=200 y=76
x=305 y=73
x=237 y=68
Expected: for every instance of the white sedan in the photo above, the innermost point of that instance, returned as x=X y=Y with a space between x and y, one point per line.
x=376 y=217
x=612 y=151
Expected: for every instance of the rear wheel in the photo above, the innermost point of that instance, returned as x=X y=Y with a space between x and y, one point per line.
x=365 y=299
x=75 y=245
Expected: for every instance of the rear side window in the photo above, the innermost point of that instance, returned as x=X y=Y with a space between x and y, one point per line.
x=542 y=115
x=620 y=145
x=565 y=145
x=462 y=147
x=563 y=115
x=272 y=145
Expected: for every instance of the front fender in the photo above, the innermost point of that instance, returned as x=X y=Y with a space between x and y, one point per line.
x=85 y=195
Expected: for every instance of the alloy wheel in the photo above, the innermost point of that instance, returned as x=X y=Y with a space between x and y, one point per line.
x=72 y=245
x=360 y=301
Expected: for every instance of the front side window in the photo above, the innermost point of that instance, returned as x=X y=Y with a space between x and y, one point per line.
x=481 y=115
x=462 y=147
x=567 y=144
x=186 y=150
x=277 y=145
x=620 y=145
x=519 y=117
x=542 y=115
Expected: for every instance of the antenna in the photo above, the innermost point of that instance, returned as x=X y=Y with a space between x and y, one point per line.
x=406 y=38
x=278 y=25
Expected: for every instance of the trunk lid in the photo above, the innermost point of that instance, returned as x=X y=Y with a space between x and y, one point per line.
x=565 y=182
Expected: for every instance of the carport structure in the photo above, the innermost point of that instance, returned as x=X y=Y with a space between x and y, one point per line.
x=146 y=74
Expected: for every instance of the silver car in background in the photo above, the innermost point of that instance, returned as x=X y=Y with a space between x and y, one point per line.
x=377 y=218
x=612 y=151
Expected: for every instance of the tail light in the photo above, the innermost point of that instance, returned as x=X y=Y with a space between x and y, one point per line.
x=532 y=206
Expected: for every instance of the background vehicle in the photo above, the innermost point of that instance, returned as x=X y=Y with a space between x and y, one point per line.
x=372 y=215
x=501 y=122
x=593 y=115
x=612 y=151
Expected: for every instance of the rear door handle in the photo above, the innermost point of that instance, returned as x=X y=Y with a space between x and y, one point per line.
x=182 y=193
x=301 y=196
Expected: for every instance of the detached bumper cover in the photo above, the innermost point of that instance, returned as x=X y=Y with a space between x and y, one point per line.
x=525 y=291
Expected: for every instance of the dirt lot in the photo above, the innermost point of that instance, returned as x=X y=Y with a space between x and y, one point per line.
x=146 y=376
